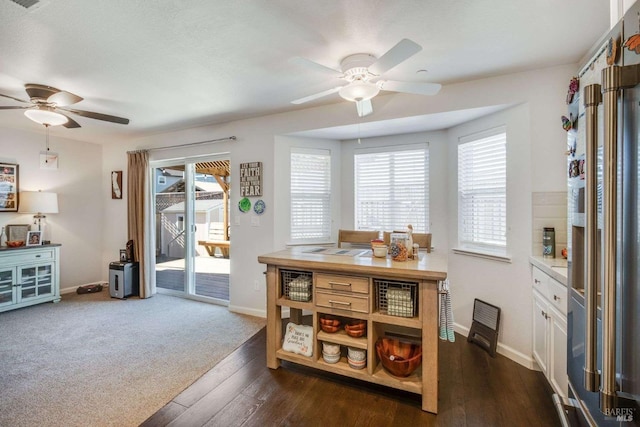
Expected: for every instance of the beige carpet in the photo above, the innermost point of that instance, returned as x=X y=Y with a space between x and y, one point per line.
x=95 y=361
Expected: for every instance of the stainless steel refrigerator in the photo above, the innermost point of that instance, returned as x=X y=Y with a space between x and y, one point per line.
x=603 y=346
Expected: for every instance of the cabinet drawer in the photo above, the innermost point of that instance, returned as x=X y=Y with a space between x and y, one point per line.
x=557 y=295
x=540 y=280
x=27 y=257
x=349 y=302
x=337 y=282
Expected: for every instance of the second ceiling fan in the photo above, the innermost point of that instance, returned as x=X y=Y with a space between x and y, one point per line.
x=49 y=106
x=362 y=73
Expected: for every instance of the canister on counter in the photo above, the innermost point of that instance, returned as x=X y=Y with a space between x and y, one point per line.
x=549 y=242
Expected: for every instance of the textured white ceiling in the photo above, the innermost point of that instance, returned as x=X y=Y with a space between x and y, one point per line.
x=171 y=64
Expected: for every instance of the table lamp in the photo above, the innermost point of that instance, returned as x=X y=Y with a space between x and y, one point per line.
x=38 y=203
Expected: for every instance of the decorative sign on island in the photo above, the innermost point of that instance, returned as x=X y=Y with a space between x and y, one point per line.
x=250 y=179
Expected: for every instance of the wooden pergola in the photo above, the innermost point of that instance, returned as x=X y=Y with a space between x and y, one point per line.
x=219 y=169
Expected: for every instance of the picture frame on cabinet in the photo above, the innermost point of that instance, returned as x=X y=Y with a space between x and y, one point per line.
x=17 y=232
x=8 y=187
x=34 y=238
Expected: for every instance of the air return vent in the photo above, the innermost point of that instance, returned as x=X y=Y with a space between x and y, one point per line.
x=26 y=3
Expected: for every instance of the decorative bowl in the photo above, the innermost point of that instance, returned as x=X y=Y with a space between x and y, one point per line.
x=15 y=243
x=356 y=354
x=331 y=358
x=376 y=243
x=330 y=348
x=356 y=364
x=380 y=251
x=329 y=329
x=329 y=321
x=356 y=328
x=399 y=358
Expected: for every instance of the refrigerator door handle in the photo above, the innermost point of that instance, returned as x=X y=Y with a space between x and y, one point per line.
x=592 y=98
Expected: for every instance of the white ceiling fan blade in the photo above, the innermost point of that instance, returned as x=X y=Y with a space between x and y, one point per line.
x=316 y=95
x=400 y=52
x=410 y=87
x=307 y=63
x=64 y=98
x=364 y=107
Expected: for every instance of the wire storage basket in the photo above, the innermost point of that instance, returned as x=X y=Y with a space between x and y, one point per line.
x=396 y=298
x=296 y=285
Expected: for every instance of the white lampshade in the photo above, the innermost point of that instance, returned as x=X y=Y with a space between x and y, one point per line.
x=46 y=116
x=359 y=90
x=38 y=202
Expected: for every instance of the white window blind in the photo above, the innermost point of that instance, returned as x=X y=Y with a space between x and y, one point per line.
x=310 y=195
x=482 y=191
x=392 y=188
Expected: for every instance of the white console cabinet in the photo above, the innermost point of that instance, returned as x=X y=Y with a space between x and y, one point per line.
x=29 y=275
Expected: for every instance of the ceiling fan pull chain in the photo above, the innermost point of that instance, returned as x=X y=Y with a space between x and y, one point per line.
x=46 y=157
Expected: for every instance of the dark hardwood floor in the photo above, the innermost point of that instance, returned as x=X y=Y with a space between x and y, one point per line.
x=475 y=390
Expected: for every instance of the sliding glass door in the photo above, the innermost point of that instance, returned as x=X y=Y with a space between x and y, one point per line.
x=192 y=227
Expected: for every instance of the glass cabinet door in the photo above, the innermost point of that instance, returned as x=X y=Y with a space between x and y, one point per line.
x=7 y=279
x=35 y=281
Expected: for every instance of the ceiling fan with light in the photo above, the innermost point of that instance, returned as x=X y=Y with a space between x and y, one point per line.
x=362 y=73
x=49 y=107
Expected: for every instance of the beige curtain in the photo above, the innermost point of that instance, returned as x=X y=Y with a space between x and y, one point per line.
x=139 y=218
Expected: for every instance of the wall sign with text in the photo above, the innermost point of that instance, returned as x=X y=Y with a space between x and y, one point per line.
x=251 y=179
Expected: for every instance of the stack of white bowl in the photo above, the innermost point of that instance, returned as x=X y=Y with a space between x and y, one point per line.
x=357 y=357
x=331 y=352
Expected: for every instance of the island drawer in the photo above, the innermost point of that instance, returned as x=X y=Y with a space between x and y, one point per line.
x=342 y=283
x=358 y=303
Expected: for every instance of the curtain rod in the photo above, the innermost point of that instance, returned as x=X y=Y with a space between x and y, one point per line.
x=190 y=144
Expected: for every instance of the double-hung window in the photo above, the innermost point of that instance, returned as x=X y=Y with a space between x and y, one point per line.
x=310 y=195
x=482 y=192
x=392 y=188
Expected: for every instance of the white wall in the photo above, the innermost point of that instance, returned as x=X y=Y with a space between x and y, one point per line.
x=78 y=182
x=506 y=285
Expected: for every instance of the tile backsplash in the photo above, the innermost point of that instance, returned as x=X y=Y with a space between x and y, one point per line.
x=549 y=210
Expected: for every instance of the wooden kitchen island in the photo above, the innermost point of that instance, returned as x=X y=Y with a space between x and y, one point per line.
x=355 y=287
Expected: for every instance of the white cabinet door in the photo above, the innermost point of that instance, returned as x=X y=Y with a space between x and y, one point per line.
x=36 y=281
x=558 y=353
x=540 y=334
x=7 y=290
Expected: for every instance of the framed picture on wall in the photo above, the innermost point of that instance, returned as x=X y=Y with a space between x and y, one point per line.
x=8 y=187
x=116 y=185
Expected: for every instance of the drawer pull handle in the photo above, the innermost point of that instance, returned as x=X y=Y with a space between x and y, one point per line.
x=537 y=281
x=339 y=302
x=38 y=256
x=556 y=298
x=340 y=284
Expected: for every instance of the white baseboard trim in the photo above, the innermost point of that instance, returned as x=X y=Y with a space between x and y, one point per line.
x=74 y=289
x=248 y=311
x=505 y=350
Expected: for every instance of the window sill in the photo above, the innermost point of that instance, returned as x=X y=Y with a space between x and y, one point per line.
x=480 y=254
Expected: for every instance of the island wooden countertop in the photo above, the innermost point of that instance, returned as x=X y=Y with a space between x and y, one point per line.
x=431 y=266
